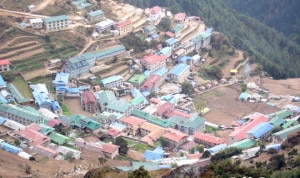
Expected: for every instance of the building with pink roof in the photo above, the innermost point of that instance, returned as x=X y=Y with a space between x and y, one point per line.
x=88 y=101
x=151 y=82
x=175 y=137
x=153 y=62
x=207 y=140
x=33 y=137
x=4 y=65
x=180 y=17
x=123 y=27
x=240 y=133
x=155 y=13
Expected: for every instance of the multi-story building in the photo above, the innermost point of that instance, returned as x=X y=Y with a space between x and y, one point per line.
x=207 y=140
x=179 y=73
x=104 y=26
x=41 y=96
x=150 y=30
x=112 y=81
x=95 y=15
x=56 y=22
x=155 y=13
x=123 y=27
x=23 y=115
x=203 y=39
x=180 y=17
x=4 y=65
x=153 y=62
x=189 y=126
x=88 y=101
x=175 y=137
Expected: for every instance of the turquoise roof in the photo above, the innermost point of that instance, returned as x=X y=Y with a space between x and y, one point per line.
x=16 y=94
x=55 y=18
x=193 y=122
x=284 y=133
x=150 y=118
x=244 y=96
x=244 y=144
x=111 y=79
x=161 y=71
x=96 y=13
x=22 y=112
x=165 y=50
x=138 y=100
x=289 y=123
x=177 y=28
x=179 y=68
x=109 y=51
x=277 y=121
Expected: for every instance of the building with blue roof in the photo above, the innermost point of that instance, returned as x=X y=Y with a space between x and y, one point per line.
x=3 y=99
x=110 y=52
x=166 y=51
x=73 y=92
x=244 y=96
x=261 y=131
x=186 y=60
x=2 y=120
x=56 y=22
x=162 y=71
x=111 y=82
x=10 y=148
x=61 y=79
x=179 y=73
x=41 y=95
x=81 y=4
x=217 y=148
x=150 y=30
x=2 y=82
x=147 y=73
x=172 y=42
x=55 y=107
x=155 y=154
x=95 y=15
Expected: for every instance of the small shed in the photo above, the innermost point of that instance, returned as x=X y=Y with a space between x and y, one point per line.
x=244 y=96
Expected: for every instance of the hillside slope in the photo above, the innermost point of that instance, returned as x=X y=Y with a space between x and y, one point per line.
x=284 y=16
x=279 y=56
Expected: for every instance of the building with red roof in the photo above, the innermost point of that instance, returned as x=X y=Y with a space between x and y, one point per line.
x=240 y=133
x=176 y=112
x=151 y=82
x=33 y=137
x=4 y=65
x=163 y=108
x=88 y=101
x=180 y=17
x=153 y=62
x=113 y=132
x=110 y=150
x=45 y=151
x=175 y=137
x=155 y=13
x=170 y=34
x=123 y=27
x=53 y=122
x=207 y=140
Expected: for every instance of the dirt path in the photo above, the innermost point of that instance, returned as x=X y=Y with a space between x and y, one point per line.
x=43 y=4
x=230 y=65
x=20 y=50
x=5 y=45
x=22 y=14
x=27 y=54
x=117 y=70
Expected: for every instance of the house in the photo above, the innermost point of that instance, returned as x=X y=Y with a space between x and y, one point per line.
x=81 y=4
x=163 y=108
x=88 y=101
x=233 y=71
x=154 y=132
x=186 y=60
x=188 y=47
x=151 y=83
x=155 y=154
x=108 y=102
x=53 y=122
x=61 y=83
x=150 y=30
x=150 y=118
x=59 y=138
x=84 y=123
x=79 y=65
x=203 y=39
x=178 y=54
x=180 y=17
x=32 y=136
x=155 y=13
x=41 y=96
x=4 y=65
x=189 y=126
x=177 y=29
x=179 y=73
x=139 y=102
x=56 y=22
x=217 y=148
x=110 y=150
x=45 y=151
x=95 y=15
x=240 y=132
x=133 y=123
x=2 y=83
x=109 y=52
x=36 y=23
x=172 y=42
x=207 y=140
x=104 y=26
x=162 y=72
x=31 y=7
x=10 y=148
x=137 y=79
x=153 y=62
x=282 y=135
x=244 y=96
x=123 y=27
x=22 y=115
x=261 y=131
x=112 y=82
x=175 y=137
x=166 y=51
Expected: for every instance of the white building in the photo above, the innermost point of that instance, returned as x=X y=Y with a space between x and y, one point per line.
x=111 y=82
x=36 y=23
x=153 y=62
x=104 y=26
x=179 y=73
x=155 y=13
x=56 y=22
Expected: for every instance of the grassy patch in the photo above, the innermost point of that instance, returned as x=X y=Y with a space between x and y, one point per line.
x=140 y=147
x=44 y=159
x=210 y=129
x=130 y=142
x=22 y=86
x=66 y=110
x=125 y=158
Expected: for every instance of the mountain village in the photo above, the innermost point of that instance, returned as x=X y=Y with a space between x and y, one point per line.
x=144 y=104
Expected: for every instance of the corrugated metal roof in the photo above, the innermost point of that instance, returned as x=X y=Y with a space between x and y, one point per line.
x=111 y=79
x=95 y=13
x=179 y=68
x=21 y=112
x=284 y=133
x=217 y=148
x=260 y=129
x=114 y=50
x=56 y=18
x=161 y=71
x=137 y=78
x=2 y=82
x=244 y=144
x=150 y=118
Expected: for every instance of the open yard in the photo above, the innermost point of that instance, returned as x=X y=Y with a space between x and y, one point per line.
x=74 y=106
x=226 y=108
x=282 y=87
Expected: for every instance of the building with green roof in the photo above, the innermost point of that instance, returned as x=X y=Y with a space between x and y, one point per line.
x=137 y=79
x=18 y=96
x=108 y=102
x=59 y=138
x=189 y=126
x=149 y=118
x=281 y=135
x=244 y=144
x=20 y=115
x=110 y=52
x=277 y=121
x=95 y=15
x=46 y=129
x=289 y=124
x=83 y=122
x=56 y=22
x=138 y=101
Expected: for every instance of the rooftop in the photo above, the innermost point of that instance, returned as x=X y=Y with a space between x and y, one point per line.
x=284 y=133
x=55 y=18
x=105 y=23
x=109 y=148
x=179 y=69
x=193 y=122
x=165 y=50
x=243 y=144
x=171 y=41
x=150 y=118
x=174 y=135
x=161 y=71
x=21 y=112
x=112 y=50
x=96 y=13
x=4 y=62
x=111 y=79
x=132 y=120
x=137 y=100
x=61 y=78
x=150 y=82
x=152 y=59
x=123 y=23
x=180 y=16
x=260 y=129
x=88 y=96
x=208 y=138
x=155 y=10
x=137 y=78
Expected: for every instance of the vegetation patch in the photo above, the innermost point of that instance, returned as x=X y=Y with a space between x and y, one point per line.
x=65 y=110
x=22 y=86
